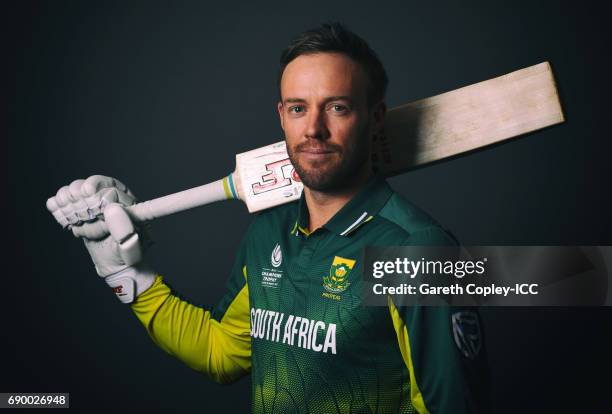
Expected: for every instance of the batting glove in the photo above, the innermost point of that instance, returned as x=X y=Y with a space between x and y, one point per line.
x=94 y=210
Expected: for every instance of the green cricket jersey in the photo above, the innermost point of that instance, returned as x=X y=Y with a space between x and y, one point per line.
x=292 y=317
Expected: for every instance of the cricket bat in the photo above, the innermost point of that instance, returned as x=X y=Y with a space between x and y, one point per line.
x=415 y=134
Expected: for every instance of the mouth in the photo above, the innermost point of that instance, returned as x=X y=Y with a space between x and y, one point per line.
x=315 y=149
x=316 y=154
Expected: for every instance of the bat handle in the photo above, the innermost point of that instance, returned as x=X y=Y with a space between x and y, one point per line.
x=223 y=189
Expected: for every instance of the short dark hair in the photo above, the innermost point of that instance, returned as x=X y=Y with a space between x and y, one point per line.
x=334 y=37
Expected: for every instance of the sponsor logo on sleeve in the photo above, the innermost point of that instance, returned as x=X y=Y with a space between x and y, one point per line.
x=466 y=331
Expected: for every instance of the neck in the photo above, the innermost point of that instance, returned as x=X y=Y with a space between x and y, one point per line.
x=323 y=205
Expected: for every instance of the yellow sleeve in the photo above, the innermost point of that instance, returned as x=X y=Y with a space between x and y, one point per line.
x=416 y=396
x=220 y=348
x=442 y=378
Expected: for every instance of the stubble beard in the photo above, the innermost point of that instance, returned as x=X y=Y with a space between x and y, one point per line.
x=336 y=173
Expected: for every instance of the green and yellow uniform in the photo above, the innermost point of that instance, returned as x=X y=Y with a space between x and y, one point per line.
x=293 y=318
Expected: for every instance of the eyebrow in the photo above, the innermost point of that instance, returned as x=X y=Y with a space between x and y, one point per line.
x=328 y=99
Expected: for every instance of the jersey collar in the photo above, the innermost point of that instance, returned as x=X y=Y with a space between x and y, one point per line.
x=359 y=210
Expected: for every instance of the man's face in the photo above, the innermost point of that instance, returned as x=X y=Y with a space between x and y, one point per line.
x=327 y=123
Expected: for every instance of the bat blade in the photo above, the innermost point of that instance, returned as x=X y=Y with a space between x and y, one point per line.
x=468 y=118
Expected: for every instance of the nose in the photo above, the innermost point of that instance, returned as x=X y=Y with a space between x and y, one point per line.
x=316 y=127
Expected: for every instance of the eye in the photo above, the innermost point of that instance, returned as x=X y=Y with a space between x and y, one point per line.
x=339 y=108
x=296 y=109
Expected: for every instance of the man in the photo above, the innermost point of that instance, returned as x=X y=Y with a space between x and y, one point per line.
x=292 y=315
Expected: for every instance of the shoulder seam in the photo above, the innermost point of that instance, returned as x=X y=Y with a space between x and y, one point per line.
x=409 y=234
x=394 y=224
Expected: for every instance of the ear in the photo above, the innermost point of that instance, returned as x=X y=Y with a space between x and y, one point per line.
x=279 y=108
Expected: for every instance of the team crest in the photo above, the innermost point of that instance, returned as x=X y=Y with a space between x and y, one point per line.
x=337 y=280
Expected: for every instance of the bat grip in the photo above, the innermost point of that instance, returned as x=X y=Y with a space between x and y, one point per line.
x=223 y=189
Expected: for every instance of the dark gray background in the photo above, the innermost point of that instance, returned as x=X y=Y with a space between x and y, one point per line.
x=162 y=95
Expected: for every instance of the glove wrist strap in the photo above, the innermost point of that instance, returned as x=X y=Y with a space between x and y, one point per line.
x=130 y=282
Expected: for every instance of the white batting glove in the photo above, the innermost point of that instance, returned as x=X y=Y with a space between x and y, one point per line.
x=94 y=210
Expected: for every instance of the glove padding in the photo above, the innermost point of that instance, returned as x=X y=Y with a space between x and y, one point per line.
x=93 y=209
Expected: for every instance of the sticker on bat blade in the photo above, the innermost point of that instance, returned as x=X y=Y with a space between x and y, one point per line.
x=279 y=174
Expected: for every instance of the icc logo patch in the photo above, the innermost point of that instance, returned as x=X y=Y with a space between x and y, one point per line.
x=466 y=331
x=337 y=280
x=276 y=258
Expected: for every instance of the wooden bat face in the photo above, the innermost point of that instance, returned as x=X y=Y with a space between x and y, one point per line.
x=467 y=118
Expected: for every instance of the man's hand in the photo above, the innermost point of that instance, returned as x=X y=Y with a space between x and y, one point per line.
x=94 y=210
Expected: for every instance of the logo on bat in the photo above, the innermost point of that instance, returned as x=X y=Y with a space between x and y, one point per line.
x=279 y=174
